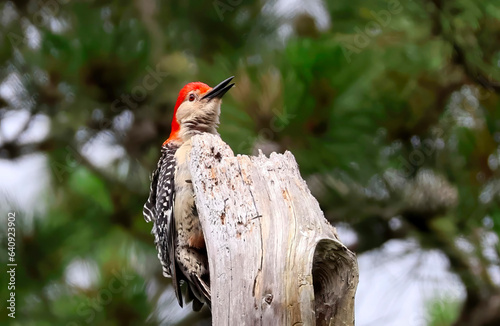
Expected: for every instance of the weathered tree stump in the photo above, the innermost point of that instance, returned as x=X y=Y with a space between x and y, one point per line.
x=274 y=259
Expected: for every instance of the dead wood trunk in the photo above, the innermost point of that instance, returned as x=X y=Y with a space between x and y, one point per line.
x=274 y=259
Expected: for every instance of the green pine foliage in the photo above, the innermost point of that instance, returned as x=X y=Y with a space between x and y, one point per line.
x=391 y=108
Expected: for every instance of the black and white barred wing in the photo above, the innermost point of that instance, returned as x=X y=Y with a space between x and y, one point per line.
x=159 y=209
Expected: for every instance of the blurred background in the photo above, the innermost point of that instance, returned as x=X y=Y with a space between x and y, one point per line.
x=391 y=108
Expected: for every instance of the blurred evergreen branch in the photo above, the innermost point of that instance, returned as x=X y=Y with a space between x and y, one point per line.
x=400 y=141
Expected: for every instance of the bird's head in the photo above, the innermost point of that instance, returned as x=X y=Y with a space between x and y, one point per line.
x=197 y=109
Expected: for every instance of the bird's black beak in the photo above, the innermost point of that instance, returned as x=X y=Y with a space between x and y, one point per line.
x=219 y=90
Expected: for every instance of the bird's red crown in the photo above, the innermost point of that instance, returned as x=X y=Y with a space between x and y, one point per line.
x=202 y=87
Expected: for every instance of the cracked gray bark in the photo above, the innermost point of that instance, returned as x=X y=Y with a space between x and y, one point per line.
x=274 y=259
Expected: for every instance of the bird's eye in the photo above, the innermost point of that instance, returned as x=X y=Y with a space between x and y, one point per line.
x=191 y=97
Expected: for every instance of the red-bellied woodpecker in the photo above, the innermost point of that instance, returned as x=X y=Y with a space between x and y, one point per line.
x=171 y=206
